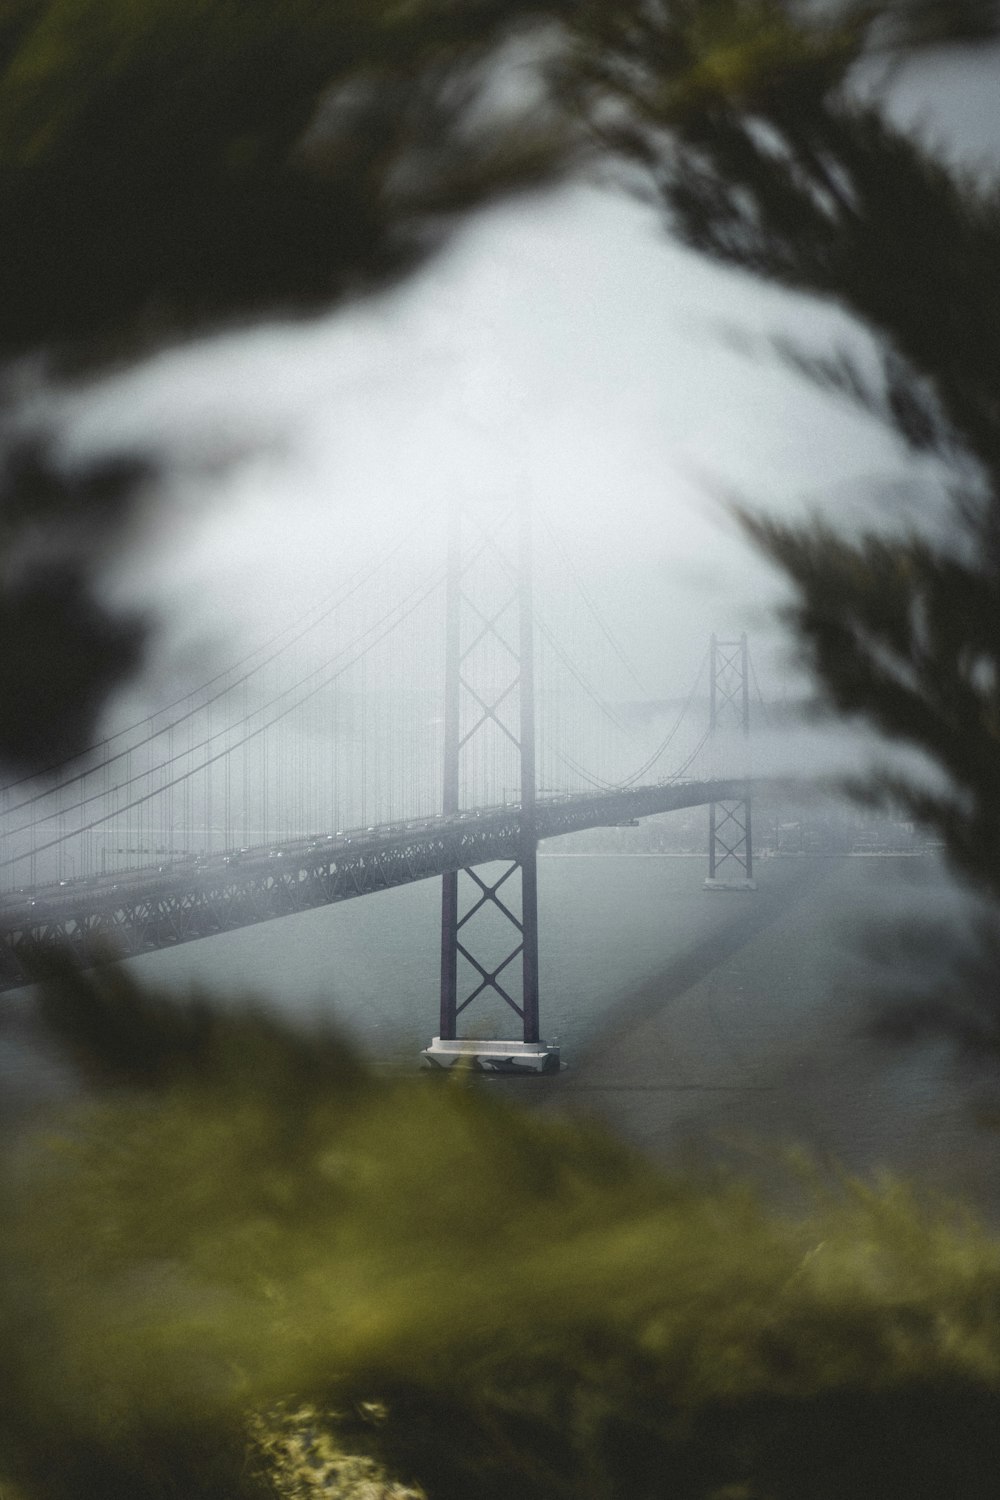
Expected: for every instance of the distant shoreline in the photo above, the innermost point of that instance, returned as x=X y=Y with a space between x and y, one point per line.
x=765 y=858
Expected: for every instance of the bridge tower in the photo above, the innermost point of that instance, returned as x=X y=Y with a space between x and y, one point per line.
x=730 y=825
x=489 y=915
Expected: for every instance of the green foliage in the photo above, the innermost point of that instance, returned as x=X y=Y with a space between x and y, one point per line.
x=257 y=1262
x=246 y=1265
x=169 y=166
x=296 y=1454
x=744 y=118
x=743 y=115
x=674 y=66
x=904 y=635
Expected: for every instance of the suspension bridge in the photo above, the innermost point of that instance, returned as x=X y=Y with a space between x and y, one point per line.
x=328 y=762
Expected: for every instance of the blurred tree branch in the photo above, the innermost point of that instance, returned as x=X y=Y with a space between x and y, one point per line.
x=169 y=167
x=246 y=1266
x=746 y=121
x=244 y=1216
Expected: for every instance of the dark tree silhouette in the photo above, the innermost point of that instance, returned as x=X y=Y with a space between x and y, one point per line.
x=747 y=120
x=246 y=1266
x=168 y=167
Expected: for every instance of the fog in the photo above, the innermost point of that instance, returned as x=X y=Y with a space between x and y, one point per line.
x=563 y=346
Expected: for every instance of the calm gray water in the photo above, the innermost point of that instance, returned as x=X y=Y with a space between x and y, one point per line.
x=684 y=1016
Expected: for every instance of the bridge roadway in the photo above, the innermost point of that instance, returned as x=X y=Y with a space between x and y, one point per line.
x=158 y=907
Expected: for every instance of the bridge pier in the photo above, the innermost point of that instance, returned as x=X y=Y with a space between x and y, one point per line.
x=504 y=903
x=492 y=1056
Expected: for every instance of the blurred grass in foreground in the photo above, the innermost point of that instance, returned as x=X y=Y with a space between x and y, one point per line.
x=244 y=1265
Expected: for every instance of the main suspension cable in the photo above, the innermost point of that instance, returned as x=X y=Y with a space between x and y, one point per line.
x=228 y=729
x=664 y=743
x=361 y=579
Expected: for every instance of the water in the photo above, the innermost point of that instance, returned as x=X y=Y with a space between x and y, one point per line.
x=608 y=926
x=684 y=1016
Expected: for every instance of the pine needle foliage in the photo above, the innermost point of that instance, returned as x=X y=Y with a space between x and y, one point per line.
x=245 y=1265
x=170 y=168
x=746 y=122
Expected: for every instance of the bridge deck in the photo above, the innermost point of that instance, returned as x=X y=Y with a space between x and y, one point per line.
x=155 y=908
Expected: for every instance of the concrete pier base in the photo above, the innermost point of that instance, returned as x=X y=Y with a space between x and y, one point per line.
x=730 y=885
x=493 y=1056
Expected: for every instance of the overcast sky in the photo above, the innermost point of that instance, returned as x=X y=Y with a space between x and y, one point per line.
x=562 y=343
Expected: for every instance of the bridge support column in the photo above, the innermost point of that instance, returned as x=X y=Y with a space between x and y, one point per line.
x=489 y=943
x=730 y=824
